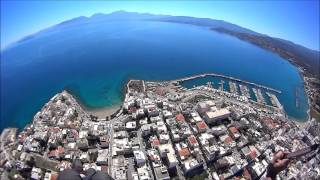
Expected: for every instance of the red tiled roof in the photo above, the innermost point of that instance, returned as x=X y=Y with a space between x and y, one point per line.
x=56 y=152
x=54 y=176
x=234 y=130
x=180 y=117
x=192 y=140
x=228 y=140
x=201 y=125
x=270 y=122
x=184 y=152
x=246 y=174
x=60 y=149
x=253 y=154
x=156 y=142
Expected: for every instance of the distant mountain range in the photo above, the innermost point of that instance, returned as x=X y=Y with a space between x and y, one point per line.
x=305 y=58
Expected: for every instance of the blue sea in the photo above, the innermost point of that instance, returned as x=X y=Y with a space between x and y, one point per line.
x=94 y=61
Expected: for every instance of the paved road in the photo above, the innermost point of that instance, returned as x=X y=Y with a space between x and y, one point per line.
x=111 y=131
x=143 y=149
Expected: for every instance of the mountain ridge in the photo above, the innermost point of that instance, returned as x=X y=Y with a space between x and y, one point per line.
x=306 y=59
x=159 y=17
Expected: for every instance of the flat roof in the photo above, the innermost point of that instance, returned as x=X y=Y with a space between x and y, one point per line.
x=218 y=113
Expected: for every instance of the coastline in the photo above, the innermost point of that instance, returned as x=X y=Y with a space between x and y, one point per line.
x=101 y=113
x=303 y=124
x=107 y=111
x=305 y=84
x=288 y=55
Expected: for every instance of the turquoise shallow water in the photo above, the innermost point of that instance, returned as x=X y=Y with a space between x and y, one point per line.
x=94 y=61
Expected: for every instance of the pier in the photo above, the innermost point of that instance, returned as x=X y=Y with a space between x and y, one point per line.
x=274 y=100
x=209 y=84
x=233 y=88
x=225 y=77
x=259 y=96
x=244 y=91
x=221 y=85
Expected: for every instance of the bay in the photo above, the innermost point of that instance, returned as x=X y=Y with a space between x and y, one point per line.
x=95 y=60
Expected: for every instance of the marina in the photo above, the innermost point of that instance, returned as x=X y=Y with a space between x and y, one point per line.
x=261 y=97
x=258 y=95
x=233 y=88
x=244 y=91
x=225 y=77
x=221 y=88
x=255 y=93
x=274 y=100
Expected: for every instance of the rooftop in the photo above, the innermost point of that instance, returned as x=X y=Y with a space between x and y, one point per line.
x=192 y=139
x=180 y=117
x=218 y=113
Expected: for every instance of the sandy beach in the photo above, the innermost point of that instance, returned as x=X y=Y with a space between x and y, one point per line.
x=103 y=112
x=99 y=112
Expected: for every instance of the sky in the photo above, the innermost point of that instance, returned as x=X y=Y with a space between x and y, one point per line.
x=295 y=20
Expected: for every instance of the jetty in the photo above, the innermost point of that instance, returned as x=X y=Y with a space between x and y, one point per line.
x=209 y=84
x=274 y=100
x=221 y=85
x=244 y=91
x=259 y=96
x=233 y=87
x=225 y=77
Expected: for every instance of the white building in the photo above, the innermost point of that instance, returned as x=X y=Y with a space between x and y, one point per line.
x=140 y=158
x=167 y=151
x=191 y=164
x=212 y=117
x=131 y=125
x=143 y=173
x=102 y=158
